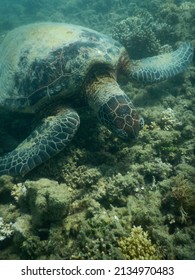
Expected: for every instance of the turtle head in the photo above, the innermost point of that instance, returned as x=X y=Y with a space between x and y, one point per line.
x=113 y=107
x=119 y=115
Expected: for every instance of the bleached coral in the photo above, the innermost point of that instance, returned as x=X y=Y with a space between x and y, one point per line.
x=18 y=191
x=6 y=230
x=168 y=119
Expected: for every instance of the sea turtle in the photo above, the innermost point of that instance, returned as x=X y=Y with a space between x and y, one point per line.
x=43 y=64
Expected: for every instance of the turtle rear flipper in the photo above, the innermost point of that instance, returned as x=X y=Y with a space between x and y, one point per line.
x=48 y=139
x=161 y=67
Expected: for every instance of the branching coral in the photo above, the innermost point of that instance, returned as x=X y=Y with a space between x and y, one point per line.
x=6 y=230
x=168 y=119
x=183 y=195
x=138 y=246
x=182 y=17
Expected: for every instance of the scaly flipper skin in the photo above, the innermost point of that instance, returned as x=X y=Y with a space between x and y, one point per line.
x=160 y=67
x=48 y=139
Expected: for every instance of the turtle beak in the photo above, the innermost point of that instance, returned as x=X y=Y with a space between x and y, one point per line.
x=129 y=126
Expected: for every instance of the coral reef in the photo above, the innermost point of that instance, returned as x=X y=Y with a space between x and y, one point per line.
x=168 y=119
x=177 y=16
x=182 y=195
x=138 y=246
x=138 y=31
x=6 y=231
x=46 y=200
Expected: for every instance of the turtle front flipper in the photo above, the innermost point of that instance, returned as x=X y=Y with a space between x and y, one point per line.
x=48 y=139
x=161 y=67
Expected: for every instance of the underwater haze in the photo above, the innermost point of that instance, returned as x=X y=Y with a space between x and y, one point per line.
x=102 y=197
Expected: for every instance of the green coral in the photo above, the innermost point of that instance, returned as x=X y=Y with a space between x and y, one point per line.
x=181 y=16
x=181 y=200
x=119 y=186
x=138 y=246
x=48 y=201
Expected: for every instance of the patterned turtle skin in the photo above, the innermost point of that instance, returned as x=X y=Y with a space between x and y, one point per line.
x=44 y=63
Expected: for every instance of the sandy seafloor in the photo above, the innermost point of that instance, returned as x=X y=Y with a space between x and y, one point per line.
x=102 y=198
